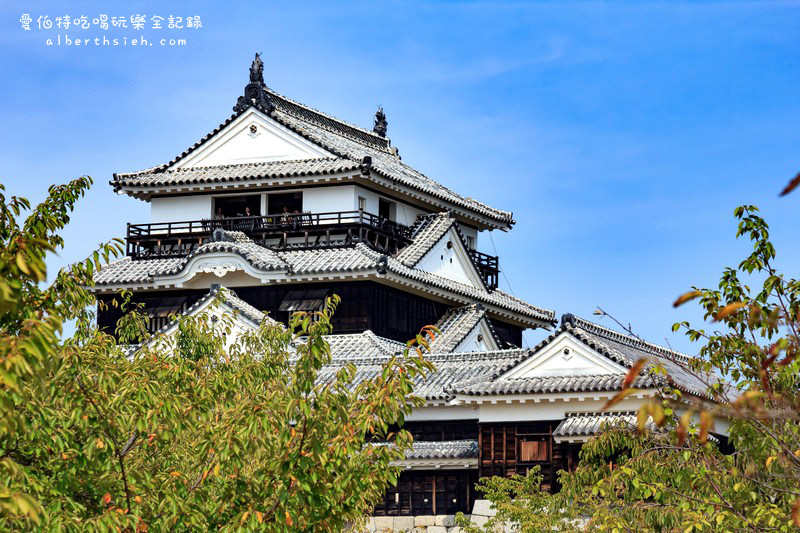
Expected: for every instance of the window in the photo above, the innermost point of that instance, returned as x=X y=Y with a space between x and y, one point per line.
x=362 y=203
x=386 y=209
x=304 y=300
x=470 y=242
x=292 y=201
x=532 y=450
x=237 y=206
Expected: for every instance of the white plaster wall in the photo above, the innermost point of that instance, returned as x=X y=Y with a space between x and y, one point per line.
x=558 y=409
x=327 y=199
x=178 y=208
x=405 y=214
x=449 y=263
x=552 y=361
x=204 y=280
x=238 y=143
x=547 y=410
x=471 y=342
x=444 y=412
x=470 y=232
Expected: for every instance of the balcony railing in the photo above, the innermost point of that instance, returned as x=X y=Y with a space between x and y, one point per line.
x=307 y=230
x=488 y=266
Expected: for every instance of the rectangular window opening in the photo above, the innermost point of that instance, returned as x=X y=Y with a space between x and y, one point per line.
x=387 y=209
x=289 y=202
x=237 y=206
x=304 y=300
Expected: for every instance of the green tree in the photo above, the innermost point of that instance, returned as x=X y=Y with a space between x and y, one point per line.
x=676 y=478
x=209 y=428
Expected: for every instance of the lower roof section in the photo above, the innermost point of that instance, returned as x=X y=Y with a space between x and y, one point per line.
x=580 y=427
x=389 y=312
x=240 y=262
x=425 y=455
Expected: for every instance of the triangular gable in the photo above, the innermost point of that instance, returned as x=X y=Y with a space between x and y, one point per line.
x=465 y=329
x=480 y=339
x=253 y=137
x=564 y=355
x=449 y=258
x=219 y=302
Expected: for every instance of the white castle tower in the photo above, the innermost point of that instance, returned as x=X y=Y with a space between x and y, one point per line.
x=282 y=205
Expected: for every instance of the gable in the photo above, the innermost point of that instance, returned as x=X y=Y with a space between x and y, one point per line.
x=226 y=268
x=220 y=313
x=479 y=339
x=449 y=259
x=252 y=138
x=565 y=356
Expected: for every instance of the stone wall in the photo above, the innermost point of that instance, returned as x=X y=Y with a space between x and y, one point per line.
x=481 y=513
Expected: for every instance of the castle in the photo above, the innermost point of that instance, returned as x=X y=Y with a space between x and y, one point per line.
x=282 y=205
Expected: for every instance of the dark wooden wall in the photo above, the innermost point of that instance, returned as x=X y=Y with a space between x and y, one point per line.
x=513 y=448
x=508 y=334
x=386 y=311
x=430 y=492
x=441 y=430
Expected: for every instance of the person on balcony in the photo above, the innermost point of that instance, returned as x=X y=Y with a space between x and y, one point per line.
x=218 y=216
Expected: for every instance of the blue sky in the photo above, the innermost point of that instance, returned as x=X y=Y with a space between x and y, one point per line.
x=621 y=134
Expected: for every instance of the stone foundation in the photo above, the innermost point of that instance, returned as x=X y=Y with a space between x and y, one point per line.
x=415 y=524
x=481 y=513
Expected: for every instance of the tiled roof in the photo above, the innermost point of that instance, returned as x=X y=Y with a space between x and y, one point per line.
x=627 y=349
x=126 y=270
x=348 y=142
x=455 y=325
x=495 y=297
x=451 y=368
x=228 y=298
x=154 y=177
x=591 y=424
x=360 y=346
x=448 y=449
x=237 y=304
x=545 y=385
x=328 y=122
x=260 y=257
x=428 y=231
x=385 y=162
x=300 y=262
x=621 y=348
x=328 y=260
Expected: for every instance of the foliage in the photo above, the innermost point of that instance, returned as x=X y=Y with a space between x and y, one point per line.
x=32 y=316
x=207 y=427
x=676 y=478
x=520 y=500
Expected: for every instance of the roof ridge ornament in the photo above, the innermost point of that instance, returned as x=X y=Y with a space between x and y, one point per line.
x=568 y=318
x=219 y=235
x=381 y=124
x=255 y=93
x=366 y=165
x=257 y=70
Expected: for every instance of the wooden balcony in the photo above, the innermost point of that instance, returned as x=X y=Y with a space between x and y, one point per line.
x=488 y=266
x=296 y=230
